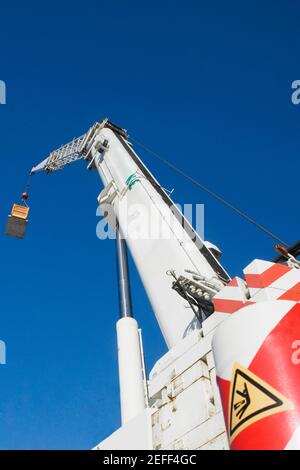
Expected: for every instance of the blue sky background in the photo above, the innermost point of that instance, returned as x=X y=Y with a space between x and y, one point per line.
x=205 y=84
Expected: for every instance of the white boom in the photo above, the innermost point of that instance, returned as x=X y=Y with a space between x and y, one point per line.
x=138 y=202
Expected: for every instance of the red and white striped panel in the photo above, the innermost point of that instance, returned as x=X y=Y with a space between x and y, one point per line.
x=265 y=281
x=231 y=298
x=268 y=281
x=261 y=339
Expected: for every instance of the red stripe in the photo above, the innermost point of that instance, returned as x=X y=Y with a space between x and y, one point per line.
x=233 y=282
x=292 y=294
x=266 y=278
x=224 y=387
x=273 y=364
x=229 y=306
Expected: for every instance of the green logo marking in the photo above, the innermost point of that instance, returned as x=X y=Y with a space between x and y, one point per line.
x=131 y=180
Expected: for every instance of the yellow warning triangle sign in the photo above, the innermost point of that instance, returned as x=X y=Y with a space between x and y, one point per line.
x=251 y=399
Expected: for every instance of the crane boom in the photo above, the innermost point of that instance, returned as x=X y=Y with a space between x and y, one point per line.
x=242 y=322
x=141 y=206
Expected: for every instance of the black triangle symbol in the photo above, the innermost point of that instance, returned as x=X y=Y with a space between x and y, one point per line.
x=239 y=409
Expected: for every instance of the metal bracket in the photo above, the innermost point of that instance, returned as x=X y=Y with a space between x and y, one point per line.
x=107 y=194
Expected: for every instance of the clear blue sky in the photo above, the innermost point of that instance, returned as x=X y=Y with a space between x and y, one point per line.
x=207 y=85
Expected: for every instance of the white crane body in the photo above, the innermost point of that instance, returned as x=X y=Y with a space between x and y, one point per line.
x=179 y=407
x=169 y=247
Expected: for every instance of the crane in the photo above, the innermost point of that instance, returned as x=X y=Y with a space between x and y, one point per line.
x=127 y=185
x=203 y=393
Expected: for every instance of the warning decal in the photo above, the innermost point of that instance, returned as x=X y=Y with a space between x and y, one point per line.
x=251 y=399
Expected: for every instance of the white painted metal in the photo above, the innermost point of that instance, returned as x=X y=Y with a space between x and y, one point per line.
x=140 y=211
x=132 y=387
x=253 y=324
x=146 y=392
x=159 y=238
x=185 y=407
x=134 y=435
x=183 y=388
